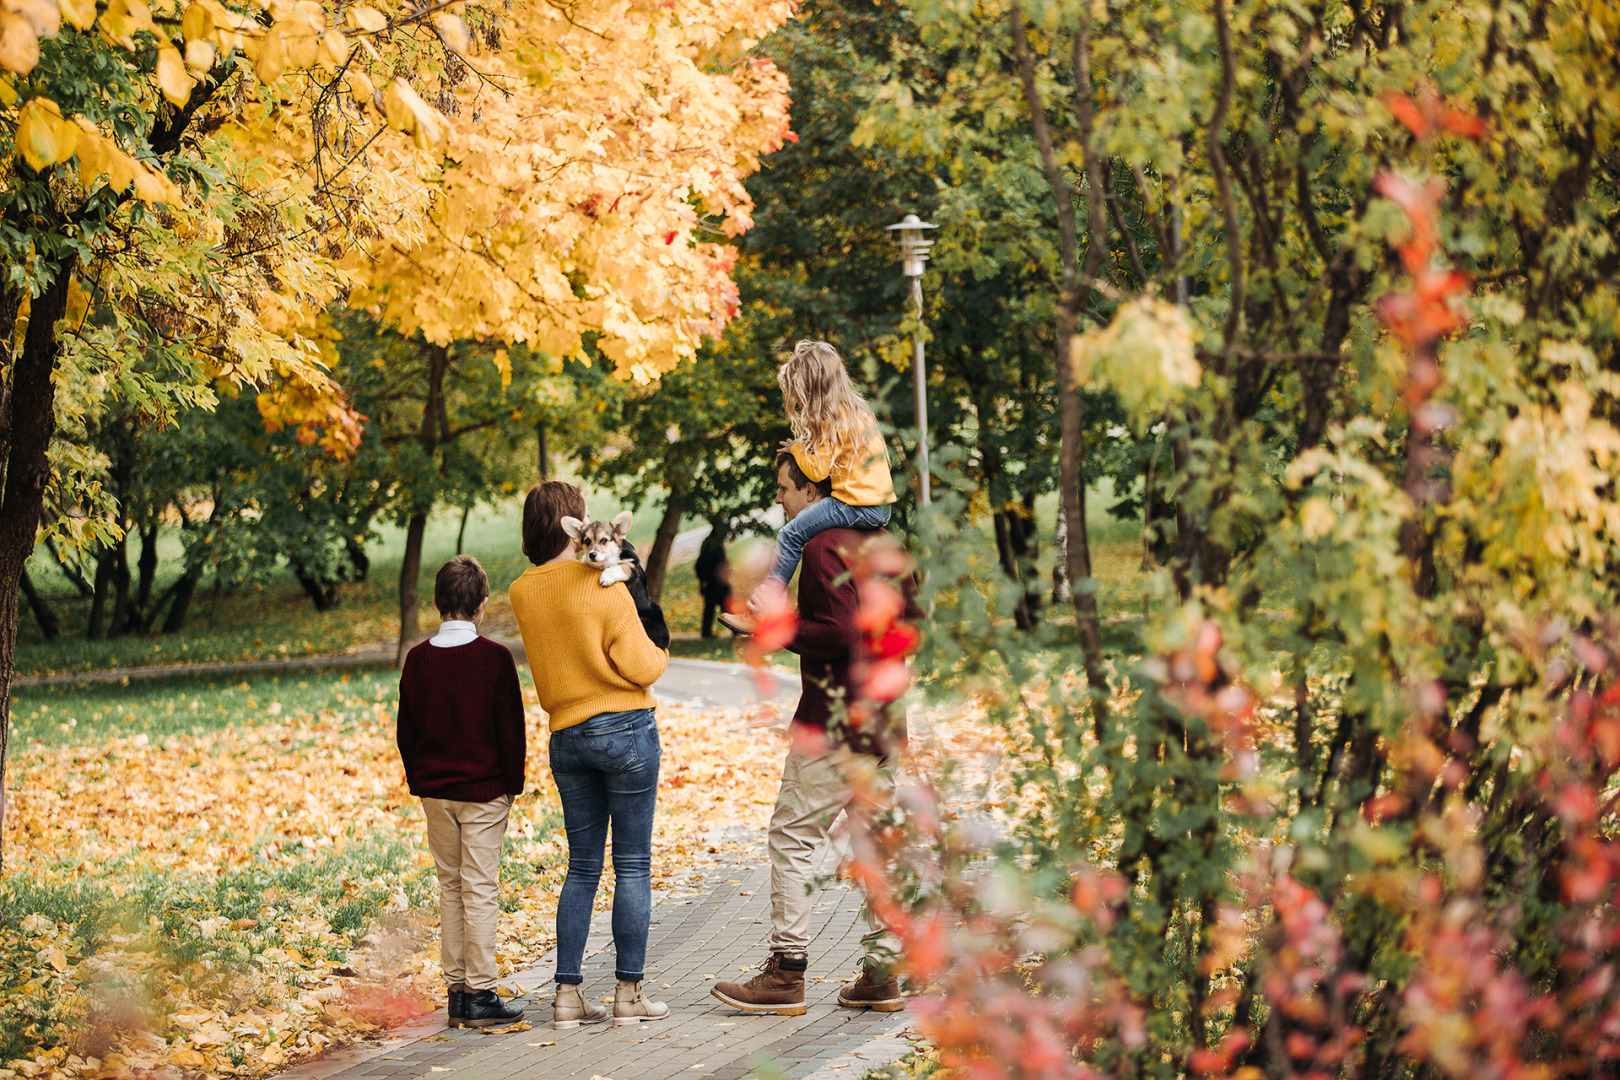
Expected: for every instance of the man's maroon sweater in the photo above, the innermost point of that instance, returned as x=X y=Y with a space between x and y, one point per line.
x=828 y=640
x=461 y=722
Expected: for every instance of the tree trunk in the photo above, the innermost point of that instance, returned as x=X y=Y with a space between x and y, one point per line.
x=461 y=533
x=184 y=590
x=663 y=544
x=98 y=603
x=1060 y=564
x=410 y=571
x=545 y=458
x=1077 y=284
x=119 y=623
x=28 y=427
x=43 y=614
x=1011 y=546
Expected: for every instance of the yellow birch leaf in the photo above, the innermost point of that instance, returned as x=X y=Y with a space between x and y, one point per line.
x=200 y=56
x=198 y=22
x=43 y=15
x=400 y=101
x=81 y=14
x=19 y=45
x=123 y=19
x=453 y=32
x=92 y=155
x=290 y=43
x=364 y=17
x=272 y=59
x=361 y=88
x=172 y=77
x=119 y=167
x=334 y=50
x=8 y=93
x=36 y=135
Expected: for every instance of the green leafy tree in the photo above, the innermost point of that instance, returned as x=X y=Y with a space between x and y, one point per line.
x=1373 y=332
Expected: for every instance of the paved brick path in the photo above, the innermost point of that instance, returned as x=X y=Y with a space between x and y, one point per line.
x=693 y=943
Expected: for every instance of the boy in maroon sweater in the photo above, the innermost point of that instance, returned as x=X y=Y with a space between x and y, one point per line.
x=461 y=738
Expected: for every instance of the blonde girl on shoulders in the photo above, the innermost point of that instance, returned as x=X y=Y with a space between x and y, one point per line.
x=836 y=444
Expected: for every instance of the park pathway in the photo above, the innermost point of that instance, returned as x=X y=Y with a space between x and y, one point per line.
x=719 y=933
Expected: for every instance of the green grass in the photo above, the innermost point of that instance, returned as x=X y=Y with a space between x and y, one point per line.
x=275 y=619
x=66 y=714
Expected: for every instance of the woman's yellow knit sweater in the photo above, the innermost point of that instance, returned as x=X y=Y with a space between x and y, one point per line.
x=587 y=651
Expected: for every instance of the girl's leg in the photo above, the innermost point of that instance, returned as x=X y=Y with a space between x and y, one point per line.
x=633 y=796
x=585 y=817
x=869 y=517
x=818 y=517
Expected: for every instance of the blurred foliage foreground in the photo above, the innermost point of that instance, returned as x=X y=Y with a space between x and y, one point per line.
x=1347 y=809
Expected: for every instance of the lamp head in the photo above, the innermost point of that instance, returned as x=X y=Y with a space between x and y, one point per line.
x=911 y=243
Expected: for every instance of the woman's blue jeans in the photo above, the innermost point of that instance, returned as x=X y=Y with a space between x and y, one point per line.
x=607 y=774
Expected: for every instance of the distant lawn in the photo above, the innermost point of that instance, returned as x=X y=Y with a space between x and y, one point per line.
x=275 y=619
x=158 y=708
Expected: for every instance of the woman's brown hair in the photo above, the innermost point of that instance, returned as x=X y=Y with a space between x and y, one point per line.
x=548 y=503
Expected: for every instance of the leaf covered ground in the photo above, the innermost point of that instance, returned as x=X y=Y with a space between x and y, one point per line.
x=227 y=880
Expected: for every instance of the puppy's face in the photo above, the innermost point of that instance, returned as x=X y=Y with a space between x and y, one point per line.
x=598 y=540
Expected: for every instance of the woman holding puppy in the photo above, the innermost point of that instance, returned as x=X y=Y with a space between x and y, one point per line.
x=592 y=664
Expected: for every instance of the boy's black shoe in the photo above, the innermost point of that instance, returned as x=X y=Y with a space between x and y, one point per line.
x=486 y=1009
x=458 y=1005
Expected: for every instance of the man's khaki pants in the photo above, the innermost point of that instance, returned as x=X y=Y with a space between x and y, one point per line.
x=814 y=791
x=465 y=838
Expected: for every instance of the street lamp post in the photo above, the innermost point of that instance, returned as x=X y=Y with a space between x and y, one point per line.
x=913 y=244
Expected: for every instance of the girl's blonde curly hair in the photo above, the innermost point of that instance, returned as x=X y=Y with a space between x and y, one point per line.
x=826 y=413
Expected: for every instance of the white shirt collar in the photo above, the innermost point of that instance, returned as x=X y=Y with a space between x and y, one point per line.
x=453 y=632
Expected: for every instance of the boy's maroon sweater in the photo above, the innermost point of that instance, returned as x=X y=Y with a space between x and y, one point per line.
x=460 y=729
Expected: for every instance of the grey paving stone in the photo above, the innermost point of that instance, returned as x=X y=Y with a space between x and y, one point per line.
x=691 y=945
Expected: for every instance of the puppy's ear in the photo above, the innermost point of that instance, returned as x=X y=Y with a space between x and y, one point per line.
x=573 y=527
x=621 y=525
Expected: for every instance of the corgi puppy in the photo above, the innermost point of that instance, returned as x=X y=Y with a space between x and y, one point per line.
x=603 y=544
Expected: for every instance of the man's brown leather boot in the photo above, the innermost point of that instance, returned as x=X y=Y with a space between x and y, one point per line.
x=778 y=988
x=873 y=990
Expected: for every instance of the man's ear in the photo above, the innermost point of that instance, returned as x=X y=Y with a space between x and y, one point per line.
x=573 y=527
x=621 y=525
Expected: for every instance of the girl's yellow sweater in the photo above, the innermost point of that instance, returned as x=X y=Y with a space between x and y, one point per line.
x=863 y=481
x=587 y=651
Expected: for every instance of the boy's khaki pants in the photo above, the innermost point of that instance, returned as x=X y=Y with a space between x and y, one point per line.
x=465 y=838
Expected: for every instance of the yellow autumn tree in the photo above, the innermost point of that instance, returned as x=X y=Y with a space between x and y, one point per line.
x=188 y=186
x=591 y=162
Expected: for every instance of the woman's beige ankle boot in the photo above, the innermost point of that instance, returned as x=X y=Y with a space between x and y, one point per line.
x=629 y=1007
x=569 y=1009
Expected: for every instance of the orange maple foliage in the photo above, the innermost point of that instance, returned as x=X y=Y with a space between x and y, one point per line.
x=589 y=171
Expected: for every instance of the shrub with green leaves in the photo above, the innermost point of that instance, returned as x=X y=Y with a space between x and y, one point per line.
x=1345 y=804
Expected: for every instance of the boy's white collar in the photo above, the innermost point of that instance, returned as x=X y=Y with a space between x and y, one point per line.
x=453 y=632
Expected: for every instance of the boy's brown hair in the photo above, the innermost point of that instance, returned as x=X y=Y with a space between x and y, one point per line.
x=460 y=587
x=548 y=503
